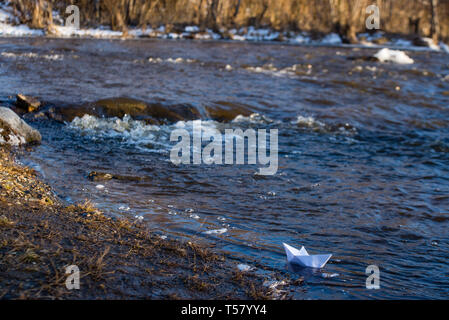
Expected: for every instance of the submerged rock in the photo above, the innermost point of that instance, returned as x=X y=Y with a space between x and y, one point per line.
x=14 y=131
x=151 y=113
x=227 y=111
x=119 y=107
x=102 y=176
x=28 y=104
x=99 y=176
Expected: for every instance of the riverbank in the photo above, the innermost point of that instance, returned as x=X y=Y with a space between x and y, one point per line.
x=117 y=258
x=11 y=26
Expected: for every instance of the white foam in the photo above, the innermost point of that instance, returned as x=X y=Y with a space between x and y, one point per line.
x=170 y=60
x=31 y=55
x=208 y=127
x=253 y=118
x=291 y=71
x=128 y=130
x=309 y=122
x=395 y=56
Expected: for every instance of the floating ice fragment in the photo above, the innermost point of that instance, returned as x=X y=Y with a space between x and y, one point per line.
x=329 y=275
x=218 y=231
x=395 y=56
x=273 y=284
x=244 y=267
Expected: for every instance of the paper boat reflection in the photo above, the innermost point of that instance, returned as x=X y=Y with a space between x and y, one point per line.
x=303 y=259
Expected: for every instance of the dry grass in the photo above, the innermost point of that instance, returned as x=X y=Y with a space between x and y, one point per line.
x=117 y=258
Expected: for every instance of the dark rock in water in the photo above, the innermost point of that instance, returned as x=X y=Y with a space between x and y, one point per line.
x=173 y=113
x=381 y=40
x=153 y=113
x=28 y=104
x=119 y=107
x=14 y=131
x=280 y=38
x=102 y=176
x=227 y=111
x=420 y=42
x=99 y=176
x=363 y=58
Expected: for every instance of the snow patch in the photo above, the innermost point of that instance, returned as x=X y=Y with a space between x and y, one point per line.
x=432 y=45
x=331 y=38
x=69 y=32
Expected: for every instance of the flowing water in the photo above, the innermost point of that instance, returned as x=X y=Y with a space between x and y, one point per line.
x=363 y=152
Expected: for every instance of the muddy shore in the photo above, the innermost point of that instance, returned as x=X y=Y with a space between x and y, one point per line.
x=40 y=236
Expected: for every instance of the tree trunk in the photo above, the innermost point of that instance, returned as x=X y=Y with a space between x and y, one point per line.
x=435 y=22
x=37 y=15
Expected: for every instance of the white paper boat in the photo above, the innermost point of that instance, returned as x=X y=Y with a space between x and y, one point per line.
x=302 y=258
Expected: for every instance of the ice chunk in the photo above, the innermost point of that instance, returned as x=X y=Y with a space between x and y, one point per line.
x=395 y=56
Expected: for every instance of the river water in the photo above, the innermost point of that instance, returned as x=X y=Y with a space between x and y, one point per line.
x=363 y=152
